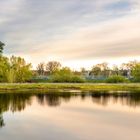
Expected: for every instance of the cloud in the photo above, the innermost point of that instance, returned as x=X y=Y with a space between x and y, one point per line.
x=71 y=30
x=8 y=9
x=114 y=38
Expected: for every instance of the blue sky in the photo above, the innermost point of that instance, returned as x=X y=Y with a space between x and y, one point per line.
x=75 y=32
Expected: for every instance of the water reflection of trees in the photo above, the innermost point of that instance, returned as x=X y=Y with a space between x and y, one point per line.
x=18 y=102
x=53 y=99
x=1 y=121
x=13 y=102
x=102 y=98
x=129 y=99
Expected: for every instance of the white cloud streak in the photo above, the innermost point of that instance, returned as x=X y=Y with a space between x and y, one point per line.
x=73 y=30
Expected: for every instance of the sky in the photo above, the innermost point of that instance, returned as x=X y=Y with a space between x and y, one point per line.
x=77 y=33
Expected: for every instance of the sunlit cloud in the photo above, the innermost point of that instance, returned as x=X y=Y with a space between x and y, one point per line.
x=72 y=32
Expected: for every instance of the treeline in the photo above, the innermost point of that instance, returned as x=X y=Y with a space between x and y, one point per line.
x=16 y=70
x=54 y=72
x=127 y=72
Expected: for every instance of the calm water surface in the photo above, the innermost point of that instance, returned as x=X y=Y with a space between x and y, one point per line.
x=70 y=116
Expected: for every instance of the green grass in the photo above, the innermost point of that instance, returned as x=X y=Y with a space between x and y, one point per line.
x=71 y=86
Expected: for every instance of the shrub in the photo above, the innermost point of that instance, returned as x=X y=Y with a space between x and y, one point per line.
x=77 y=79
x=65 y=78
x=116 y=79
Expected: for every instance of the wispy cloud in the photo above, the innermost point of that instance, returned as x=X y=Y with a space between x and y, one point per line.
x=73 y=30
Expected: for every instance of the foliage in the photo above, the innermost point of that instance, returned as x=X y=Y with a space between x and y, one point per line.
x=41 y=68
x=100 y=70
x=10 y=76
x=129 y=65
x=116 y=79
x=66 y=75
x=96 y=71
x=14 y=69
x=53 y=66
x=66 y=79
x=4 y=66
x=77 y=79
x=136 y=72
x=22 y=70
x=1 y=47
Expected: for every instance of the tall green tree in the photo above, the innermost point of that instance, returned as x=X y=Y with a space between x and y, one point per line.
x=20 y=68
x=4 y=67
x=136 y=72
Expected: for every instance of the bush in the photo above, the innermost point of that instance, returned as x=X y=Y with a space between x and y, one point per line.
x=77 y=79
x=58 y=78
x=116 y=79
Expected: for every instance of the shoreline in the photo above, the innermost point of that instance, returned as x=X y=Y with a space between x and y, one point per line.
x=70 y=86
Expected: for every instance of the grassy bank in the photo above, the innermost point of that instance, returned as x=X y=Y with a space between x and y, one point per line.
x=71 y=86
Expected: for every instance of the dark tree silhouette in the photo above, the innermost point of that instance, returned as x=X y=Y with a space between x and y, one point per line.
x=1 y=47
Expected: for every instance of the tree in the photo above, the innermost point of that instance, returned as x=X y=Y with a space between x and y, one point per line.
x=66 y=75
x=100 y=70
x=14 y=69
x=136 y=72
x=83 y=70
x=126 y=68
x=103 y=66
x=115 y=70
x=1 y=47
x=104 y=69
x=129 y=65
x=96 y=70
x=65 y=70
x=4 y=67
x=53 y=66
x=41 y=68
x=22 y=71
